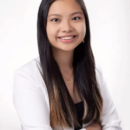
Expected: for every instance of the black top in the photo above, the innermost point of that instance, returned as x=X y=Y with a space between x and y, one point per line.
x=80 y=110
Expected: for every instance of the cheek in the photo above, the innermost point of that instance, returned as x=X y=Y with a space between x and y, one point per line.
x=82 y=29
x=51 y=32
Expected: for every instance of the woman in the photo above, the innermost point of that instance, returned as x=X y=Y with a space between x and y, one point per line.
x=63 y=89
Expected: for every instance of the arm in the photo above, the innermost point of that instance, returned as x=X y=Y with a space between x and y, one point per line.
x=30 y=103
x=109 y=119
x=93 y=126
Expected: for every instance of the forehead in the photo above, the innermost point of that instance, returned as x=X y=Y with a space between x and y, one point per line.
x=64 y=7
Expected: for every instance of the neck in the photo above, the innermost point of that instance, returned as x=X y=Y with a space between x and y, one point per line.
x=64 y=59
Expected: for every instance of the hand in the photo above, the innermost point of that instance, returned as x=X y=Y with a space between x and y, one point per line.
x=94 y=126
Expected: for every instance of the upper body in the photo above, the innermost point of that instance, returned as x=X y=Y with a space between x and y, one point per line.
x=31 y=100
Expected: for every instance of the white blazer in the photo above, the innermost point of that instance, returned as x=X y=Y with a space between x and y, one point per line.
x=31 y=101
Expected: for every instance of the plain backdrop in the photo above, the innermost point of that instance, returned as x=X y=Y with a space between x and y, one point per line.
x=110 y=34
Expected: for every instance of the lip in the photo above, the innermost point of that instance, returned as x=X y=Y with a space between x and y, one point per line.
x=66 y=36
x=68 y=40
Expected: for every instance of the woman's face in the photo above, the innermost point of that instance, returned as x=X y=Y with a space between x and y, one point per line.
x=65 y=20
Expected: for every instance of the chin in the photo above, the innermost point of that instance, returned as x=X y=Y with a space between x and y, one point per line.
x=65 y=48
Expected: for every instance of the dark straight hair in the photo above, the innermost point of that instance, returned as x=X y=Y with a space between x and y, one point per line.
x=62 y=109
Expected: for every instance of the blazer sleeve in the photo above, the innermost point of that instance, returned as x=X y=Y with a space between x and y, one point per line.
x=30 y=103
x=109 y=119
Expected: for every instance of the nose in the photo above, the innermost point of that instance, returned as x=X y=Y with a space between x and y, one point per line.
x=66 y=27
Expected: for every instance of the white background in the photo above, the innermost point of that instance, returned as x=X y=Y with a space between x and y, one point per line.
x=110 y=31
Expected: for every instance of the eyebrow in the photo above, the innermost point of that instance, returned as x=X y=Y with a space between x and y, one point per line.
x=70 y=14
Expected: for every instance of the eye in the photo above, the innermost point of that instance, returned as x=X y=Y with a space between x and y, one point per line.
x=76 y=18
x=55 y=19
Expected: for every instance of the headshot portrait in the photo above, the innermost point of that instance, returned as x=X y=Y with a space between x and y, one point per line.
x=69 y=70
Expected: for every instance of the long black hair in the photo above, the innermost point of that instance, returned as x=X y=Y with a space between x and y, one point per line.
x=62 y=110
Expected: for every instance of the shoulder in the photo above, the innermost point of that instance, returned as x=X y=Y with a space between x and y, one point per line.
x=31 y=66
x=99 y=75
x=29 y=77
x=31 y=71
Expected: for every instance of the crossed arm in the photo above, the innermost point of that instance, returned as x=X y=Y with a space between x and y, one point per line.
x=94 y=126
x=32 y=105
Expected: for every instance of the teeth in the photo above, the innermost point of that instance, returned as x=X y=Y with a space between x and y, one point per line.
x=66 y=37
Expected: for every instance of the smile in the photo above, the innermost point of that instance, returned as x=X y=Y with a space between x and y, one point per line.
x=67 y=39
